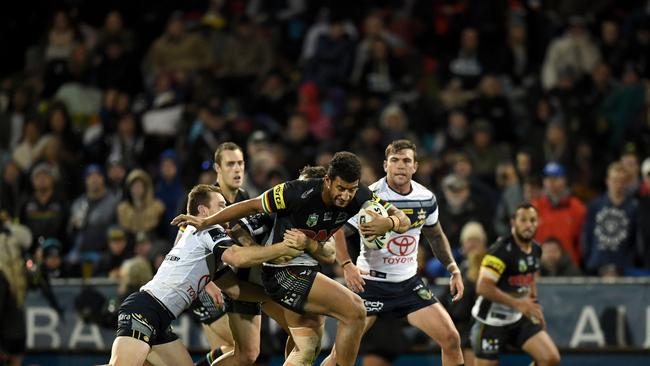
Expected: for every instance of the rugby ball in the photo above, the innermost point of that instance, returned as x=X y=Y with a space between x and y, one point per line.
x=380 y=241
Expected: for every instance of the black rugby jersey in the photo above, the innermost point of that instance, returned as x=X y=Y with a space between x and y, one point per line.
x=299 y=204
x=514 y=272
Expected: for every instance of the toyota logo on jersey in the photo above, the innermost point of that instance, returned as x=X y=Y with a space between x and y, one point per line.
x=402 y=245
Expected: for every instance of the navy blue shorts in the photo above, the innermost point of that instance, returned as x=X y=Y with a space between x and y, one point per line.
x=143 y=317
x=397 y=299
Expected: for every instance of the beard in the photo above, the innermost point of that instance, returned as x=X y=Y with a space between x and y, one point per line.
x=524 y=237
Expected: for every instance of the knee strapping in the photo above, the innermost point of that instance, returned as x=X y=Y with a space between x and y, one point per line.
x=307 y=346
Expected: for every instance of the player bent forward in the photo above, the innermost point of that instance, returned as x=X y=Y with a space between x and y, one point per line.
x=144 y=331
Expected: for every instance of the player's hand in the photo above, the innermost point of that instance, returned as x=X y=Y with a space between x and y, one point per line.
x=353 y=279
x=531 y=309
x=296 y=239
x=213 y=290
x=456 y=286
x=197 y=222
x=281 y=260
x=379 y=225
x=241 y=235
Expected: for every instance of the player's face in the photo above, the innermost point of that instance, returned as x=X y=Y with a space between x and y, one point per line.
x=217 y=203
x=524 y=224
x=400 y=167
x=341 y=192
x=230 y=170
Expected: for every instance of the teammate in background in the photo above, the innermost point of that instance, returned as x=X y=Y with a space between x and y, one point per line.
x=387 y=279
x=506 y=311
x=318 y=208
x=229 y=165
x=198 y=256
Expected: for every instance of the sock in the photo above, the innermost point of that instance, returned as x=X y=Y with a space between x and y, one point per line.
x=209 y=358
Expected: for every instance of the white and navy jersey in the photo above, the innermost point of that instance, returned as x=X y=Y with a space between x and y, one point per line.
x=188 y=267
x=514 y=271
x=397 y=261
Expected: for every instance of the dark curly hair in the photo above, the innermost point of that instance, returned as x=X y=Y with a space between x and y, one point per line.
x=346 y=166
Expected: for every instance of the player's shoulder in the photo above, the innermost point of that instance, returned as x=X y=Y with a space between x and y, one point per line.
x=501 y=248
x=378 y=186
x=214 y=233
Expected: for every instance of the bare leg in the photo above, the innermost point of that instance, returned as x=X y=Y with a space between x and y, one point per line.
x=246 y=333
x=219 y=335
x=330 y=360
x=543 y=350
x=127 y=351
x=437 y=324
x=170 y=354
x=331 y=298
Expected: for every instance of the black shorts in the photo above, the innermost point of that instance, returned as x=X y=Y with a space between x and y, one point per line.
x=289 y=286
x=488 y=340
x=143 y=317
x=241 y=307
x=204 y=310
x=397 y=299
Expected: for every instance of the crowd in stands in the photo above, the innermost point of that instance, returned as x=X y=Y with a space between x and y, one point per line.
x=115 y=113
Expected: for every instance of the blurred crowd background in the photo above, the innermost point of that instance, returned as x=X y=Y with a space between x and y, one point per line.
x=111 y=111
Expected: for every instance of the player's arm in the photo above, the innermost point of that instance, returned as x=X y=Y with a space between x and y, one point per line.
x=399 y=221
x=351 y=272
x=242 y=257
x=442 y=250
x=324 y=252
x=491 y=270
x=230 y=213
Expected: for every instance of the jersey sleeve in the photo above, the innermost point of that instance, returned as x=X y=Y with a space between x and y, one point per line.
x=431 y=212
x=217 y=241
x=494 y=264
x=281 y=197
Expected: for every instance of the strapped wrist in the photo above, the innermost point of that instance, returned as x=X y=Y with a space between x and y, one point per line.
x=346 y=263
x=395 y=222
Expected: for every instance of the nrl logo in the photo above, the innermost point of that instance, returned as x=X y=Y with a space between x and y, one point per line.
x=312 y=220
x=522 y=265
x=425 y=293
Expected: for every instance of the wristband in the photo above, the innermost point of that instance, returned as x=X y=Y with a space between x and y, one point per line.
x=395 y=221
x=346 y=263
x=452 y=265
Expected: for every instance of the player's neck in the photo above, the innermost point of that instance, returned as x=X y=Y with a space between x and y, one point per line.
x=228 y=193
x=524 y=245
x=405 y=188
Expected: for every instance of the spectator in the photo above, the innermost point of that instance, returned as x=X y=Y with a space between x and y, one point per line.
x=11 y=188
x=494 y=107
x=126 y=144
x=380 y=73
x=178 y=51
x=44 y=212
x=643 y=217
x=247 y=57
x=473 y=247
x=50 y=260
x=169 y=189
x=561 y=214
x=13 y=120
x=574 y=50
x=139 y=210
x=468 y=65
x=373 y=30
x=30 y=147
x=456 y=135
x=299 y=144
x=14 y=238
x=611 y=46
x=115 y=46
x=554 y=146
x=555 y=262
x=110 y=262
x=331 y=62
x=61 y=38
x=512 y=195
x=395 y=125
x=114 y=32
x=609 y=238
x=90 y=215
x=483 y=152
x=458 y=207
x=115 y=177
